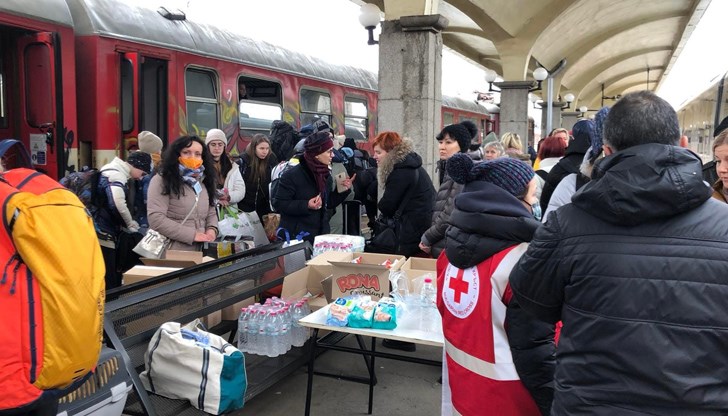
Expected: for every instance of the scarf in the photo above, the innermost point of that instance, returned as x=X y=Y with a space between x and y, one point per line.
x=192 y=177
x=319 y=171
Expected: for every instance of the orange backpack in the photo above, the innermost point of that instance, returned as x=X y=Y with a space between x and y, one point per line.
x=51 y=290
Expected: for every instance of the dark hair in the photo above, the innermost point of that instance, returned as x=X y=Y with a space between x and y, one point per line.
x=551 y=146
x=225 y=165
x=258 y=168
x=172 y=178
x=639 y=118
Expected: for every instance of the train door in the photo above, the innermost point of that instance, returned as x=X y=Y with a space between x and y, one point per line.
x=144 y=90
x=39 y=116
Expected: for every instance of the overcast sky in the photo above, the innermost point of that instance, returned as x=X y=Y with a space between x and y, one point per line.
x=330 y=30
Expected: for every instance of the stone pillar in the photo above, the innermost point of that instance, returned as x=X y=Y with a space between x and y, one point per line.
x=514 y=108
x=555 y=117
x=569 y=118
x=410 y=79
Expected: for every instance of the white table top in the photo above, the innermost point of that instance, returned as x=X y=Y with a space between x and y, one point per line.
x=409 y=328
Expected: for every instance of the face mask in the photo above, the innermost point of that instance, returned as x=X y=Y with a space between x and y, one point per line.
x=537 y=211
x=190 y=163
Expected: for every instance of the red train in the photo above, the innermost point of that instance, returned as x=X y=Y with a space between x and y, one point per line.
x=79 y=79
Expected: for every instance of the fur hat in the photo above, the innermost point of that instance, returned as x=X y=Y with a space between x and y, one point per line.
x=463 y=132
x=510 y=174
x=597 y=140
x=140 y=160
x=149 y=142
x=318 y=143
x=215 y=134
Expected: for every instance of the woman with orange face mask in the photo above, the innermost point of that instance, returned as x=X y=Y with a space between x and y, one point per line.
x=185 y=185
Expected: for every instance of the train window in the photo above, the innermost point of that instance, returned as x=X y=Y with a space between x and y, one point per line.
x=259 y=90
x=315 y=105
x=38 y=85
x=447 y=118
x=127 y=95
x=356 y=117
x=202 y=105
x=258 y=116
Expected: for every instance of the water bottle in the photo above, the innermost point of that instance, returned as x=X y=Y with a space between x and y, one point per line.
x=272 y=334
x=428 y=294
x=429 y=315
x=243 y=329
x=297 y=333
x=305 y=311
x=253 y=325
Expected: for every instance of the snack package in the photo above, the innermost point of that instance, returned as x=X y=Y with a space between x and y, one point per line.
x=385 y=314
x=339 y=312
x=387 y=263
x=357 y=260
x=363 y=313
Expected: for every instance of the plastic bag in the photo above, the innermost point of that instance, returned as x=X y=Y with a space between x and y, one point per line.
x=229 y=223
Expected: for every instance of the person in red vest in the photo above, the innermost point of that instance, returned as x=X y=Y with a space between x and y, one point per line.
x=491 y=224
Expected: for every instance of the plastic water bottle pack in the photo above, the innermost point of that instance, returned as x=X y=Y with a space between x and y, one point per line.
x=272 y=328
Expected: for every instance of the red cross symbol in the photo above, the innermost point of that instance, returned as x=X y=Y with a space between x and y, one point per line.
x=458 y=285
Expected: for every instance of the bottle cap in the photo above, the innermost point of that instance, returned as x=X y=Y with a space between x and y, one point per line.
x=428 y=280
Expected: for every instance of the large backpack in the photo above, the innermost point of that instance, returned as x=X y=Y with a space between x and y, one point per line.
x=283 y=137
x=94 y=190
x=51 y=290
x=276 y=174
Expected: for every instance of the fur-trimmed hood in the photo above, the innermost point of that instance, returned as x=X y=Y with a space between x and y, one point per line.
x=401 y=156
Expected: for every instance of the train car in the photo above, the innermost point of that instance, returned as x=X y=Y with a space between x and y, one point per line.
x=37 y=81
x=112 y=69
x=456 y=110
x=699 y=117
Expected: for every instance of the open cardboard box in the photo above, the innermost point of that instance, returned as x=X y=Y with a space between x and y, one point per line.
x=307 y=280
x=416 y=267
x=178 y=258
x=368 y=277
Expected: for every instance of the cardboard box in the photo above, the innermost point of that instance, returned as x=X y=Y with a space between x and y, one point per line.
x=416 y=267
x=368 y=277
x=324 y=258
x=178 y=258
x=307 y=280
x=140 y=273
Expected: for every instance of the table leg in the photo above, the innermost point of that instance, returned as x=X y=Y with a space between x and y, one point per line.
x=311 y=359
x=367 y=359
x=371 y=376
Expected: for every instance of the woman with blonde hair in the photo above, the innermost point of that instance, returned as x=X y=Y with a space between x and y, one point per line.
x=720 y=155
x=512 y=142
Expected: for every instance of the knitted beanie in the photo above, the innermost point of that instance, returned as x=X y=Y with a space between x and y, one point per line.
x=463 y=132
x=140 y=160
x=597 y=139
x=149 y=142
x=508 y=173
x=318 y=143
x=215 y=134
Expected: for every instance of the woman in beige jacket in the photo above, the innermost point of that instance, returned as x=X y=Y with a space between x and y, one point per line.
x=181 y=188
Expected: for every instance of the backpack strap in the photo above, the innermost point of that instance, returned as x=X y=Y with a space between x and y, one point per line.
x=542 y=174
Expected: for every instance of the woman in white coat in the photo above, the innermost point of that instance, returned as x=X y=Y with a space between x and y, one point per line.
x=229 y=181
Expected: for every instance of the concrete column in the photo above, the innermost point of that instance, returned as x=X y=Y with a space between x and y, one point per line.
x=514 y=108
x=555 y=117
x=410 y=79
x=569 y=118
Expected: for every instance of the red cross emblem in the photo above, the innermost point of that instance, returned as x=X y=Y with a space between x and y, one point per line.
x=458 y=285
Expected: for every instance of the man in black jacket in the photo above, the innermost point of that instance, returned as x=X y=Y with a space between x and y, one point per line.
x=635 y=268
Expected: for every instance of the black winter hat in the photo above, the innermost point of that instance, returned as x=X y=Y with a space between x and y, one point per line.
x=510 y=174
x=140 y=160
x=464 y=132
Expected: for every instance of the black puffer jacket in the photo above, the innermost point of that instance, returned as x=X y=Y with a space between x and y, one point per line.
x=296 y=188
x=636 y=269
x=486 y=220
x=396 y=173
x=434 y=237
